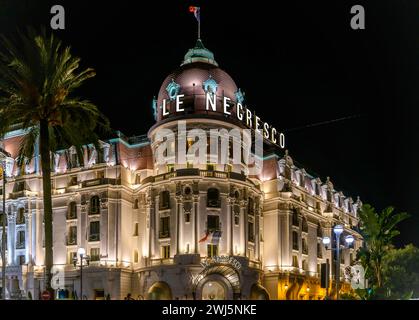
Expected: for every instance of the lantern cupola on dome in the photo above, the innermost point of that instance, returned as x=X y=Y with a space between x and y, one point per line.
x=199 y=54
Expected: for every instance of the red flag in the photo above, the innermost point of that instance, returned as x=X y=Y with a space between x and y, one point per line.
x=205 y=237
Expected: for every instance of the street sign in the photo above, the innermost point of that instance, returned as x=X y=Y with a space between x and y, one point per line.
x=46 y=295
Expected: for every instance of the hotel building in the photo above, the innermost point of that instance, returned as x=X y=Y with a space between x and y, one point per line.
x=151 y=229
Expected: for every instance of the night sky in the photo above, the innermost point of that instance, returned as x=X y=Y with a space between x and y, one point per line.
x=299 y=63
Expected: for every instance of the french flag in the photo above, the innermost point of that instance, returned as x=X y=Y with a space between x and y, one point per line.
x=212 y=237
x=196 y=11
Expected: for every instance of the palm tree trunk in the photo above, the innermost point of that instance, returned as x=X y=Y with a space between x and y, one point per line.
x=46 y=185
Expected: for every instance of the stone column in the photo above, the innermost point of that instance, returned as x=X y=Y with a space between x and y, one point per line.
x=244 y=223
x=28 y=236
x=11 y=236
x=230 y=214
x=149 y=234
x=196 y=223
x=178 y=225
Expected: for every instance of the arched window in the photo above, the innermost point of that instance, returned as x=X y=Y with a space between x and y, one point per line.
x=319 y=249
x=20 y=218
x=295 y=221
x=72 y=210
x=213 y=198
x=136 y=204
x=295 y=242
x=319 y=231
x=94 y=205
x=251 y=206
x=164 y=200
x=304 y=225
x=304 y=245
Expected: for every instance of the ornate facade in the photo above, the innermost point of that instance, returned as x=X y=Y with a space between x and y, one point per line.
x=173 y=230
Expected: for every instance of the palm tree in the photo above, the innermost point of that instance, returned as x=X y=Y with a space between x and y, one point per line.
x=38 y=77
x=378 y=231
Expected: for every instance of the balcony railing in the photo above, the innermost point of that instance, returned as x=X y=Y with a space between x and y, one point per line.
x=99 y=181
x=94 y=237
x=164 y=234
x=20 y=245
x=71 y=241
x=195 y=172
x=71 y=215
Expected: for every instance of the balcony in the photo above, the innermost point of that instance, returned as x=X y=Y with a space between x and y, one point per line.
x=94 y=237
x=71 y=241
x=100 y=181
x=71 y=215
x=20 y=245
x=164 y=234
x=195 y=172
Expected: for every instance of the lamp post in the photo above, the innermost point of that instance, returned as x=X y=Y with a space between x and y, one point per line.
x=81 y=254
x=349 y=239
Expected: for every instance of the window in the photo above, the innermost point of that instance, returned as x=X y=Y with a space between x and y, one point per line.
x=304 y=225
x=302 y=182
x=72 y=256
x=135 y=256
x=100 y=174
x=251 y=231
x=251 y=206
x=187 y=217
x=236 y=220
x=319 y=231
x=304 y=245
x=135 y=230
x=317 y=189
x=295 y=261
x=164 y=227
x=165 y=252
x=72 y=181
x=72 y=210
x=94 y=205
x=304 y=265
x=210 y=167
x=20 y=240
x=319 y=250
x=20 y=218
x=95 y=254
x=72 y=236
x=164 y=200
x=21 y=259
x=213 y=223
x=212 y=250
x=213 y=198
x=295 y=245
x=295 y=221
x=136 y=204
x=74 y=160
x=94 y=234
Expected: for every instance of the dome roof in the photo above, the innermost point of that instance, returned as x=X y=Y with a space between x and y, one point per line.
x=198 y=74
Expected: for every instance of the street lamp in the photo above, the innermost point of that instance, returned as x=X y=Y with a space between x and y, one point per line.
x=81 y=254
x=349 y=239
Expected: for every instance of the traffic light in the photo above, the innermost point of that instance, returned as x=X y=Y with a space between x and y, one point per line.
x=324 y=275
